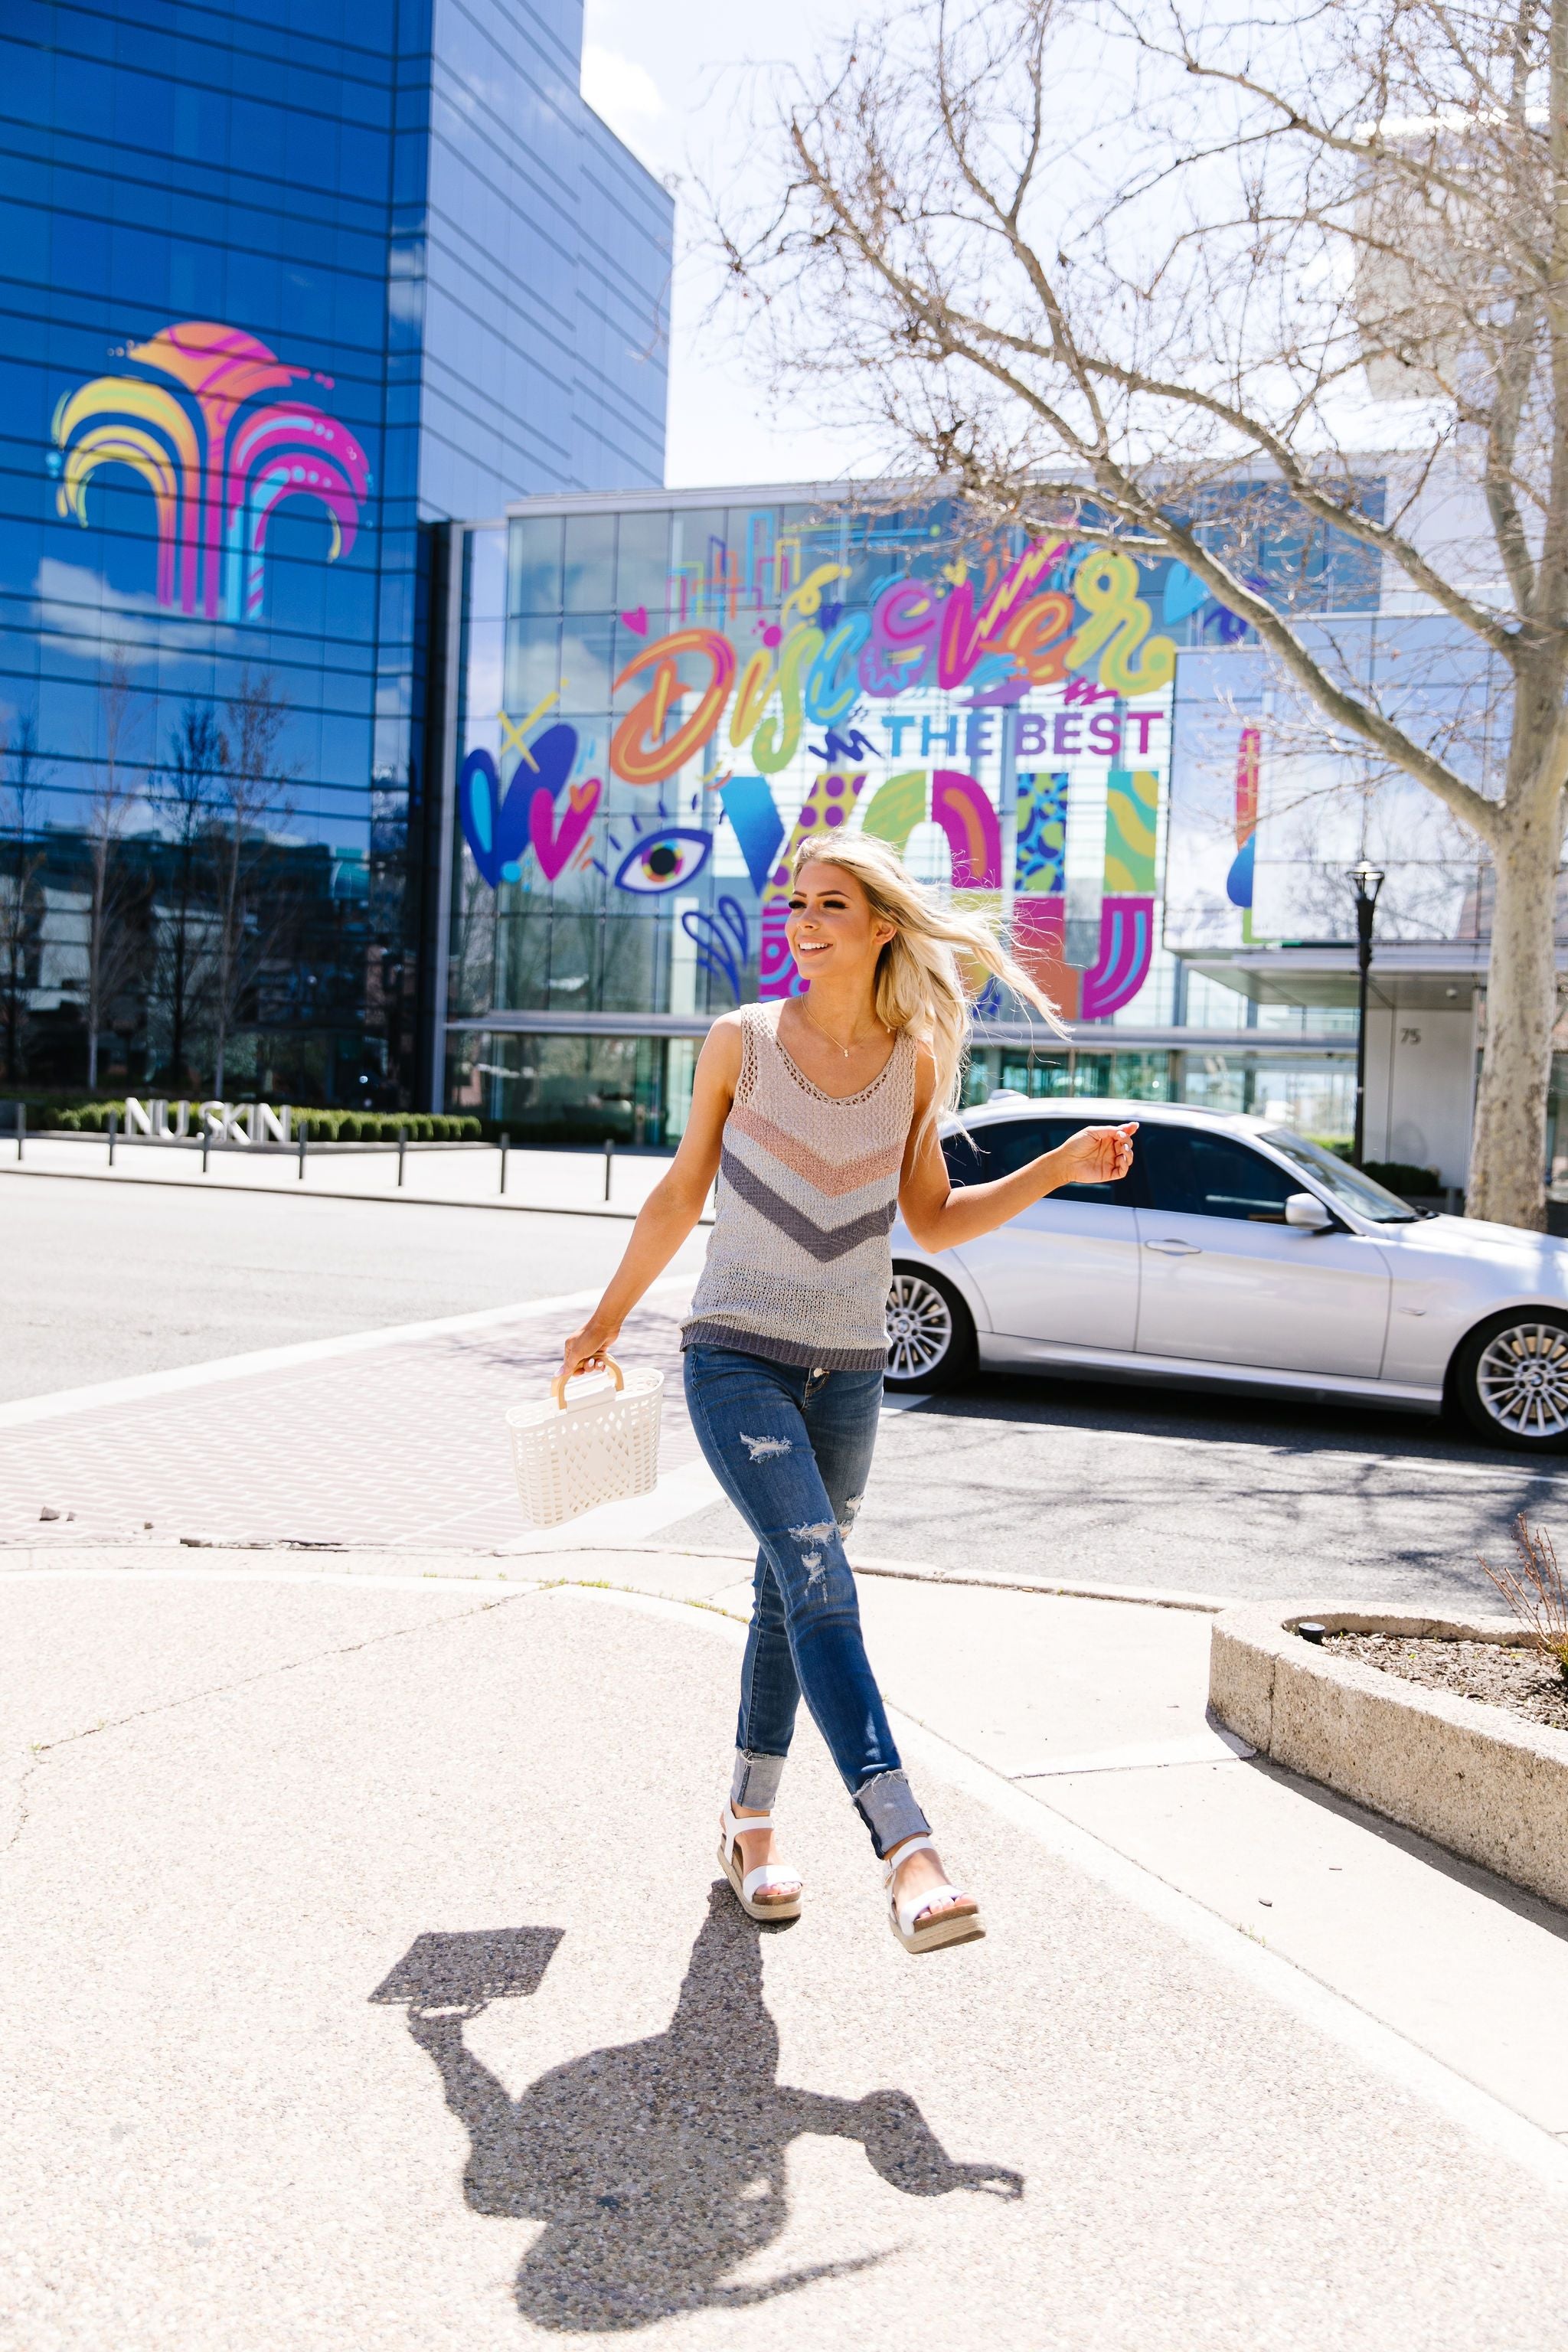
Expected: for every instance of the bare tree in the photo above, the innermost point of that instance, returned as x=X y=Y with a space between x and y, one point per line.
x=22 y=848
x=251 y=788
x=114 y=793
x=184 y=794
x=1103 y=264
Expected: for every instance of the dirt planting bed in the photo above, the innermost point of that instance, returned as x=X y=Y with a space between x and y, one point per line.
x=1523 y=1681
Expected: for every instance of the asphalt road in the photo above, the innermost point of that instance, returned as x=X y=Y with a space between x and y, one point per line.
x=100 y=1281
x=1106 y=1483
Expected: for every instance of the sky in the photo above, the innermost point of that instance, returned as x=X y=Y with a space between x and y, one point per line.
x=677 y=79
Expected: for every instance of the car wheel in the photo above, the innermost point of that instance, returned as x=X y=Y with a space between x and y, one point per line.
x=1510 y=1380
x=931 y=1334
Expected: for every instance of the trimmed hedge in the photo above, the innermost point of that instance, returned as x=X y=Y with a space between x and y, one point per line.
x=320 y=1126
x=1403 y=1177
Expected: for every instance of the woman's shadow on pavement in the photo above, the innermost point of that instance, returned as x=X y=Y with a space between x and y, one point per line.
x=658 y=2166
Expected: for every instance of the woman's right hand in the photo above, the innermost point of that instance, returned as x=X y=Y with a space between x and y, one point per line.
x=587 y=1350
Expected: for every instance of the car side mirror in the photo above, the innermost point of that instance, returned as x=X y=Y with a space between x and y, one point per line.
x=1307 y=1212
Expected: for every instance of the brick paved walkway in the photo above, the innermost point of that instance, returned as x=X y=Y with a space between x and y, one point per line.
x=403 y=1445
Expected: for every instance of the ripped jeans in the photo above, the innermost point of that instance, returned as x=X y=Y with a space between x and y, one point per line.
x=792 y=1449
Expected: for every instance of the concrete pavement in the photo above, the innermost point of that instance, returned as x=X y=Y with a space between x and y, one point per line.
x=334 y=2020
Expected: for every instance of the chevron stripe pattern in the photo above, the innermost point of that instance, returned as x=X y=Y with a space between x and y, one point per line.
x=798 y=1261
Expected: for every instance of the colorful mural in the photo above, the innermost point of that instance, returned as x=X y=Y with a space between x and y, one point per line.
x=205 y=430
x=968 y=704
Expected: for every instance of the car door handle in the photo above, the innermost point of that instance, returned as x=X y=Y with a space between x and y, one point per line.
x=1175 y=1249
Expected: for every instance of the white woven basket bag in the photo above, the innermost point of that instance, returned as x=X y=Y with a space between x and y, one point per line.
x=599 y=1447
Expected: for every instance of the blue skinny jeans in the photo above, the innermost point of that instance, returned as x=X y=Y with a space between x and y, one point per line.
x=792 y=1449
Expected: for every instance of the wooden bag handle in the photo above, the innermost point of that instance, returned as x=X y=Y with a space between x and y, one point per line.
x=558 y=1385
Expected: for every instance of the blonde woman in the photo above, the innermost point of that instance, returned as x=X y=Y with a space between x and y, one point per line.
x=818 y=1114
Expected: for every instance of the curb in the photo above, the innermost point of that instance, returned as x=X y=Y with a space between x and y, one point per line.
x=133 y=1550
x=405 y=1199
x=1486 y=1784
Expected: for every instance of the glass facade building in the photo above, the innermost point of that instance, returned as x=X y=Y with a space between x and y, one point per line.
x=287 y=290
x=660 y=693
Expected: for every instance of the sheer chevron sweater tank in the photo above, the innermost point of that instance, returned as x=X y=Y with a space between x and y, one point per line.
x=798 y=1261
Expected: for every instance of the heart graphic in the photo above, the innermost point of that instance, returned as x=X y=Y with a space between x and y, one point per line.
x=553 y=843
x=636 y=620
x=499 y=830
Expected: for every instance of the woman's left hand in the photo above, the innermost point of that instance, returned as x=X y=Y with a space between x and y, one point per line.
x=1096 y=1155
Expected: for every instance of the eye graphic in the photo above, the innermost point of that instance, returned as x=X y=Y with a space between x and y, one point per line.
x=665 y=860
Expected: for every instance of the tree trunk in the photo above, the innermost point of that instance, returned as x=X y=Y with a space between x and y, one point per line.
x=1506 y=1177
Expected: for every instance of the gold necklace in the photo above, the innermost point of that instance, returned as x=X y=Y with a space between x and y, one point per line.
x=827 y=1034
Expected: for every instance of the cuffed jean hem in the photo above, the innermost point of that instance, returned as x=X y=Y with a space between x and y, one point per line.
x=756 y=1780
x=886 y=1806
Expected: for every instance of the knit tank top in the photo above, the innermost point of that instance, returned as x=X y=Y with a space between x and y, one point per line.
x=799 y=1264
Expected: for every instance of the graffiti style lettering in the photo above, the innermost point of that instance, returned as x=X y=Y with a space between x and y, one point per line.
x=1104 y=735
x=1039 y=855
x=826 y=806
x=777 y=739
x=1033 y=735
x=974 y=836
x=902 y=642
x=1036 y=638
x=965 y=635
x=833 y=684
x=1106 y=585
x=638 y=750
x=896 y=808
x=755 y=821
x=1126 y=946
x=757 y=682
x=1039 y=942
x=807 y=600
x=1130 y=806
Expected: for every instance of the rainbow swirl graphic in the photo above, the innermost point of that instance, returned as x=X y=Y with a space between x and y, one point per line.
x=218 y=462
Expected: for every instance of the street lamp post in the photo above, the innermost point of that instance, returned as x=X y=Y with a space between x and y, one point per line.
x=1367 y=880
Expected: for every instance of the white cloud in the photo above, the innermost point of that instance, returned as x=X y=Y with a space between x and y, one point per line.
x=79 y=614
x=620 y=90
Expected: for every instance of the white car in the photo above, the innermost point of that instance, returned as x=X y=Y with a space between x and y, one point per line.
x=1235 y=1252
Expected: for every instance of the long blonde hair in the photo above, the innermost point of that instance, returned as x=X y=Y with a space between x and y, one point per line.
x=919 y=982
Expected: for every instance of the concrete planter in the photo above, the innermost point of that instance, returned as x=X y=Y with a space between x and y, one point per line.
x=1485 y=1783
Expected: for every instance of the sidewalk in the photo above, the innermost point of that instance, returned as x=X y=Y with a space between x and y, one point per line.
x=570 y=1183
x=341 y=2014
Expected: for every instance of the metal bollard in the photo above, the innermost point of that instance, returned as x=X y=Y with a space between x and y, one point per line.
x=113 y=1131
x=505 y=1148
x=21 y=1127
x=206 y=1144
x=402 y=1148
x=304 y=1131
x=609 y=1162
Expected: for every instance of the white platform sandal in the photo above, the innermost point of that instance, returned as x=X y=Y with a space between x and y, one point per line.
x=960 y=1927
x=751 y=1884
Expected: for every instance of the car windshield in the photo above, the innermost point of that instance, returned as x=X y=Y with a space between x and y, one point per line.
x=1338 y=1178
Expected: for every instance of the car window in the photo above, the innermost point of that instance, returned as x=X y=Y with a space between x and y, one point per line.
x=1195 y=1174
x=1360 y=1192
x=999 y=1147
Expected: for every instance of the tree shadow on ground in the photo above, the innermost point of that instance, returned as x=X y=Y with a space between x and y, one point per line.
x=657 y=2167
